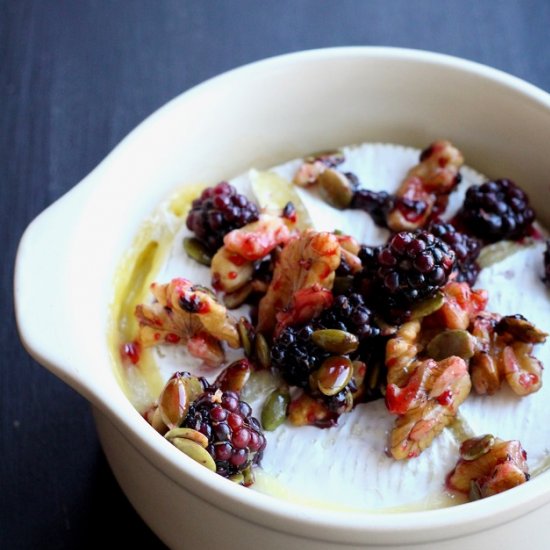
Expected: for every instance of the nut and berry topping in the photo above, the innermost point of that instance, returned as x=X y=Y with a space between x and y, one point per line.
x=505 y=353
x=466 y=248
x=315 y=164
x=302 y=280
x=324 y=357
x=235 y=438
x=488 y=466
x=334 y=323
x=183 y=313
x=375 y=203
x=413 y=266
x=425 y=190
x=218 y=211
x=497 y=210
x=427 y=403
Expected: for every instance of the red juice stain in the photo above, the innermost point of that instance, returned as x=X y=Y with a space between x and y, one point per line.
x=237 y=260
x=446 y=398
x=130 y=351
x=172 y=338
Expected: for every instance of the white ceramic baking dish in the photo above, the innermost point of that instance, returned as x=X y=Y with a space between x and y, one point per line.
x=261 y=115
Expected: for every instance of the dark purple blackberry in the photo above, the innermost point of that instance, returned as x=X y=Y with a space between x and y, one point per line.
x=496 y=210
x=218 y=211
x=235 y=438
x=350 y=313
x=412 y=266
x=546 y=278
x=465 y=247
x=376 y=204
x=295 y=355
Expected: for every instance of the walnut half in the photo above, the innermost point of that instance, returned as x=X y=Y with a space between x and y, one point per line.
x=488 y=466
x=187 y=314
x=426 y=404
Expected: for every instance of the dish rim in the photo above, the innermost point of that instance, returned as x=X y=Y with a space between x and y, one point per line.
x=250 y=504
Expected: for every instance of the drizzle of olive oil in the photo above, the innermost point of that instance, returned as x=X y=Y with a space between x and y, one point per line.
x=268 y=484
x=137 y=270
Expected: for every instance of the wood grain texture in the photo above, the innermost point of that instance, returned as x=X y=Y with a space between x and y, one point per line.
x=75 y=78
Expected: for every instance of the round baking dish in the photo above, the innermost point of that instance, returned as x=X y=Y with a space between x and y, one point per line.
x=261 y=115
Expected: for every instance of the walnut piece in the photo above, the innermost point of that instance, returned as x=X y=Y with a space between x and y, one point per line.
x=188 y=314
x=426 y=404
x=230 y=271
x=256 y=240
x=426 y=187
x=233 y=264
x=505 y=347
x=401 y=351
x=309 y=260
x=461 y=304
x=314 y=165
x=501 y=467
x=305 y=410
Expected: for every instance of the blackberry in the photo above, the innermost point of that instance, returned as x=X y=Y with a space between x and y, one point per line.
x=218 y=211
x=296 y=356
x=235 y=438
x=496 y=210
x=376 y=204
x=466 y=248
x=349 y=313
x=412 y=266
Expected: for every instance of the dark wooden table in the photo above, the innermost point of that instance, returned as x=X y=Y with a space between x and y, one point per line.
x=75 y=78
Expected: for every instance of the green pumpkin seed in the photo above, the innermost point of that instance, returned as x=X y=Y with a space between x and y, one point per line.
x=195 y=249
x=235 y=299
x=335 y=188
x=173 y=402
x=520 y=329
x=188 y=433
x=245 y=330
x=334 y=375
x=476 y=447
x=235 y=376
x=452 y=342
x=157 y=422
x=195 y=451
x=262 y=351
x=248 y=475
x=428 y=306
x=275 y=408
x=194 y=387
x=237 y=478
x=335 y=341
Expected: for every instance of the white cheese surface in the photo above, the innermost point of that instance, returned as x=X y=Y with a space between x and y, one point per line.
x=346 y=466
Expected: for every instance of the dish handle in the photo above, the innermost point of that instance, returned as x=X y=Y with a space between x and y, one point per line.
x=42 y=296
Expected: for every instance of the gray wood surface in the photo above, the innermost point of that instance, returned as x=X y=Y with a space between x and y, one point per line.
x=75 y=78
